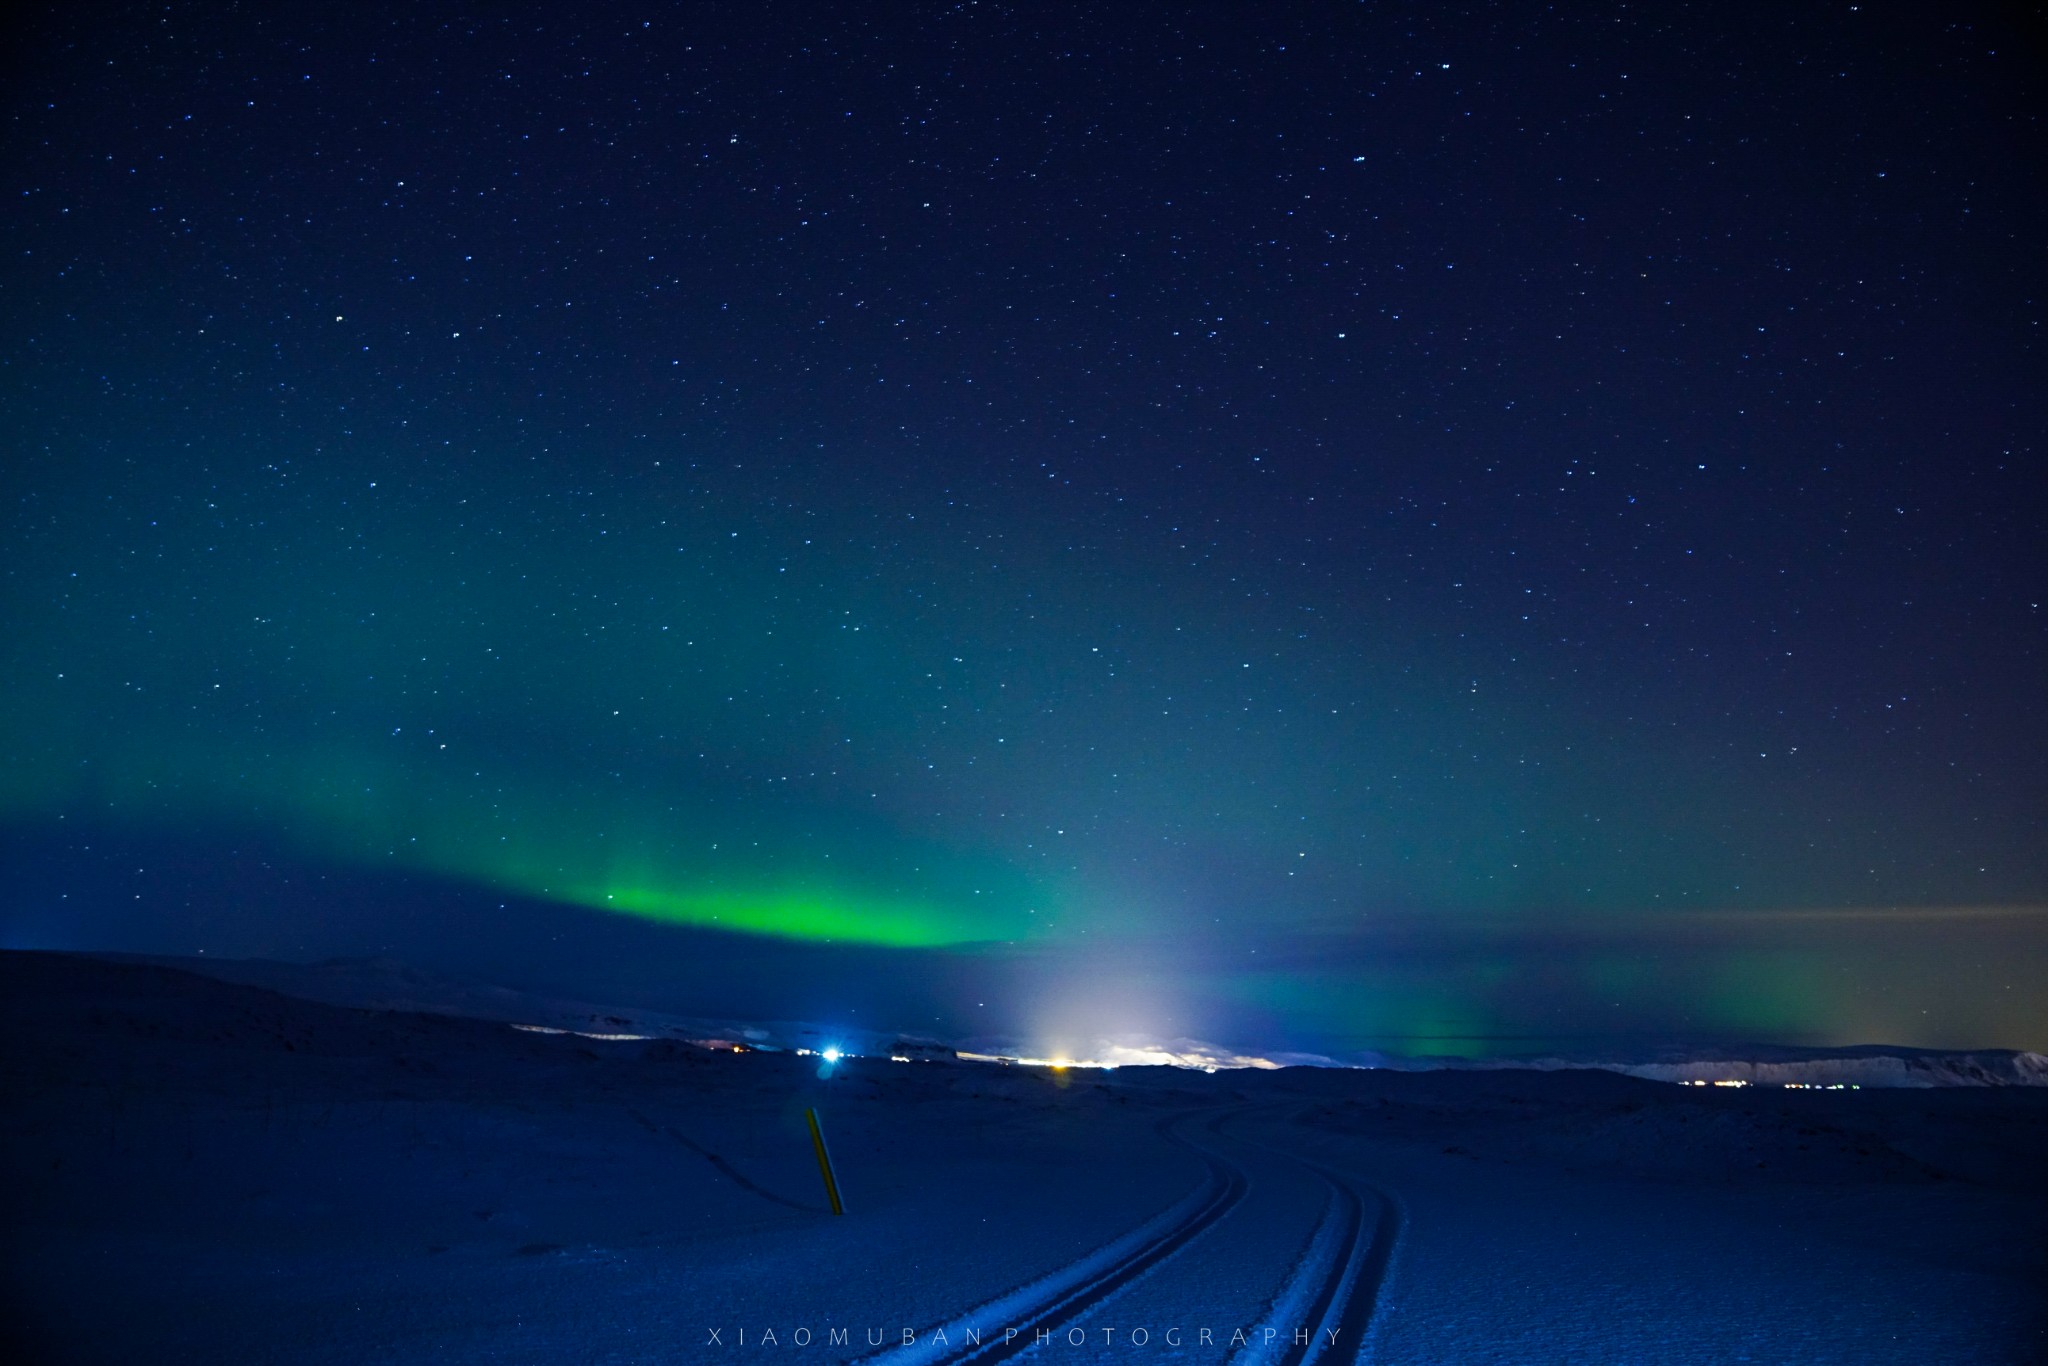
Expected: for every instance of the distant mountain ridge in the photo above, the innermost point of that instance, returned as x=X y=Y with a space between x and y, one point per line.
x=377 y=983
x=1873 y=1065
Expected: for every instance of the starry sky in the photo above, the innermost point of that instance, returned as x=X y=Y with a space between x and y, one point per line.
x=1333 y=526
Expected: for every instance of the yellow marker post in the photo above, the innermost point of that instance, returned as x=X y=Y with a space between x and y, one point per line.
x=824 y=1162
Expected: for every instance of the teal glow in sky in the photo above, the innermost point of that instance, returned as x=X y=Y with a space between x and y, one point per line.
x=897 y=721
x=1380 y=547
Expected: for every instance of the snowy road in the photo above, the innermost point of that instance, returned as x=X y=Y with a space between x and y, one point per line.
x=1324 y=1312
x=1321 y=1301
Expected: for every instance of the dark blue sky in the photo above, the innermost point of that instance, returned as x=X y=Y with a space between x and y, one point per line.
x=1333 y=522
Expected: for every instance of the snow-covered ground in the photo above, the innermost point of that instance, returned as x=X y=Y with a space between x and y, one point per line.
x=207 y=1171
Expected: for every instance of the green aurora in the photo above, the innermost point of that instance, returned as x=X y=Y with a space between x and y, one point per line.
x=898 y=720
x=1314 y=529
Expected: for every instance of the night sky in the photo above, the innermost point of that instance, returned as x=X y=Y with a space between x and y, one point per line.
x=1325 y=525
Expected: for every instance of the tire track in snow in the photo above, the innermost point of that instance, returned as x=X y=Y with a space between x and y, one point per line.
x=1057 y=1298
x=1335 y=1286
